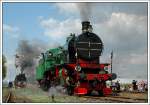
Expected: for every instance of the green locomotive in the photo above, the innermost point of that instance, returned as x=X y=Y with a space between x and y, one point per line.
x=47 y=66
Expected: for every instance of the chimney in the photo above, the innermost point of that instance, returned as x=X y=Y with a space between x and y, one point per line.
x=85 y=26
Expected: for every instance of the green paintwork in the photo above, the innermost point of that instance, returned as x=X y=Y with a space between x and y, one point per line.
x=50 y=59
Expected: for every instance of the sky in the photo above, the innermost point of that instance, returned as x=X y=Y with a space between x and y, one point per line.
x=121 y=26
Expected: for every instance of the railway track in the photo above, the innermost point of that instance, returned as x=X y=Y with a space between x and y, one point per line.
x=10 y=98
x=13 y=97
x=114 y=99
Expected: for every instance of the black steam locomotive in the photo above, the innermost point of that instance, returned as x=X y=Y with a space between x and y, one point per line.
x=20 y=81
x=82 y=71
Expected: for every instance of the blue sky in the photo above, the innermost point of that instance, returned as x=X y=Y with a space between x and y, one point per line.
x=25 y=16
x=121 y=26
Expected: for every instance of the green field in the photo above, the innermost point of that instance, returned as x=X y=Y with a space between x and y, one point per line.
x=33 y=94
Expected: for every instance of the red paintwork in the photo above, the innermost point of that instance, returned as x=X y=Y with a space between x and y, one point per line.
x=86 y=87
x=107 y=91
x=84 y=61
x=57 y=72
x=104 y=77
x=88 y=65
x=80 y=91
x=89 y=87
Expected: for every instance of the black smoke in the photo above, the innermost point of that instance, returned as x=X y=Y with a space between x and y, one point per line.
x=27 y=55
x=85 y=11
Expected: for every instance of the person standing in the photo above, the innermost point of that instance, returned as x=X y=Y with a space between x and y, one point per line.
x=118 y=86
x=134 y=85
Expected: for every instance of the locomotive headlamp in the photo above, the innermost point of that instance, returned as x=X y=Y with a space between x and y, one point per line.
x=78 y=68
x=106 y=68
x=50 y=54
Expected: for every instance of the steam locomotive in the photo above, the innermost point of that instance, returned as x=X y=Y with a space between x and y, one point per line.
x=20 y=81
x=77 y=67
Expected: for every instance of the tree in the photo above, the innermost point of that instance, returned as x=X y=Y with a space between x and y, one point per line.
x=4 y=68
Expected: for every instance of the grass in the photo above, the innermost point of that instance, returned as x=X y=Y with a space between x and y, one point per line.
x=134 y=95
x=36 y=95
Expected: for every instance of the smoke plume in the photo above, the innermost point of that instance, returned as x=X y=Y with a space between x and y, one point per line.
x=85 y=11
x=57 y=91
x=27 y=56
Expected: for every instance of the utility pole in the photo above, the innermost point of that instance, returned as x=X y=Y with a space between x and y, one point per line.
x=111 y=63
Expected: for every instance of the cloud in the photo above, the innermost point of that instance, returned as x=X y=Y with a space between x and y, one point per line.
x=126 y=34
x=67 y=7
x=123 y=31
x=57 y=30
x=135 y=8
x=138 y=58
x=11 y=30
x=102 y=11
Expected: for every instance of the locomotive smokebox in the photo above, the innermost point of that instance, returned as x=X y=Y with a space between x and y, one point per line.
x=86 y=27
x=88 y=45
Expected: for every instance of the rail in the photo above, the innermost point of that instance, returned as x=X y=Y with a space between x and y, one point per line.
x=10 y=97
x=117 y=99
